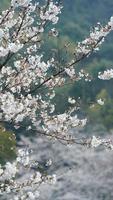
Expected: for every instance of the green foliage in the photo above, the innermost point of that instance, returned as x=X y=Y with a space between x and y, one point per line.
x=7 y=146
x=61 y=99
x=4 y=4
x=107 y=114
x=103 y=95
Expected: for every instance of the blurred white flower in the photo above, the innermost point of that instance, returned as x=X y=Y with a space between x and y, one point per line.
x=71 y=100
x=95 y=142
x=100 y=102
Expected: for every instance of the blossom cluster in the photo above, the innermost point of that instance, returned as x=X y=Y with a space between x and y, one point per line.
x=51 y=13
x=95 y=142
x=106 y=75
x=96 y=38
x=17 y=3
x=59 y=126
x=9 y=185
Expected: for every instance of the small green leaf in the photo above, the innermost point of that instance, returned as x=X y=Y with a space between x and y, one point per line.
x=7 y=145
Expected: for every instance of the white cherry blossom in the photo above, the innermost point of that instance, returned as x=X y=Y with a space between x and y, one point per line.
x=28 y=83
x=100 y=102
x=106 y=75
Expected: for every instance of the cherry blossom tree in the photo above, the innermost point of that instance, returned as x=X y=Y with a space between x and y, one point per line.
x=28 y=82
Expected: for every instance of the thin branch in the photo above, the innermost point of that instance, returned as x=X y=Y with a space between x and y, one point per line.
x=63 y=70
x=5 y=16
x=24 y=15
x=9 y=56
